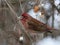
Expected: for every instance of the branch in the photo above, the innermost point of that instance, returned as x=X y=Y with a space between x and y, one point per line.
x=19 y=22
x=53 y=5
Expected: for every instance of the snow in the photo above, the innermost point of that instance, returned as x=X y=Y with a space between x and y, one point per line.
x=49 y=41
x=37 y=15
x=21 y=38
x=47 y=6
x=57 y=2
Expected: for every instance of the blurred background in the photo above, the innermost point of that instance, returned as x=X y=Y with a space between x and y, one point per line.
x=12 y=31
